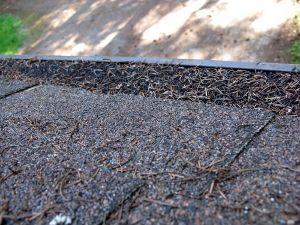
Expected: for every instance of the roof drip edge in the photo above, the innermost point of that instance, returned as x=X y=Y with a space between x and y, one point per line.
x=169 y=61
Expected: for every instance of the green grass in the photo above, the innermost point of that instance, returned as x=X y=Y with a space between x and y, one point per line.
x=295 y=52
x=295 y=49
x=11 y=34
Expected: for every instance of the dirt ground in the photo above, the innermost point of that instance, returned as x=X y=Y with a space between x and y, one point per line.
x=234 y=30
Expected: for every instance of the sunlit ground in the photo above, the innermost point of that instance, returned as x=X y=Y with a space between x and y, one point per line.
x=241 y=30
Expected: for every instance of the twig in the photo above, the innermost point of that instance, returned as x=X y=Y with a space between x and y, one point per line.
x=260 y=210
x=8 y=175
x=42 y=213
x=60 y=189
x=87 y=200
x=60 y=182
x=7 y=148
x=211 y=187
x=122 y=164
x=74 y=130
x=4 y=208
x=287 y=167
x=95 y=174
x=202 y=168
x=158 y=202
x=229 y=176
x=120 y=215
x=222 y=193
x=184 y=179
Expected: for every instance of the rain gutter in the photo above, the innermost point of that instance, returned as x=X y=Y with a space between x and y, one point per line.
x=168 y=61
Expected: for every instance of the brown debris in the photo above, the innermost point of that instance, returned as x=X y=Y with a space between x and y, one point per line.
x=278 y=92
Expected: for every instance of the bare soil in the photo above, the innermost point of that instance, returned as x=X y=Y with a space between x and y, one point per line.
x=233 y=30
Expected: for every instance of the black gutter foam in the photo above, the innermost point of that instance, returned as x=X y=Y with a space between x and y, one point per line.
x=184 y=62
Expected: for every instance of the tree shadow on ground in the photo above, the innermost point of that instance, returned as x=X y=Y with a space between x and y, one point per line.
x=119 y=28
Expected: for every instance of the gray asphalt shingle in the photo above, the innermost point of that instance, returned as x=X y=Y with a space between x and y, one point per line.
x=82 y=154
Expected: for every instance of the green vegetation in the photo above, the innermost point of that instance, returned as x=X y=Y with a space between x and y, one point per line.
x=295 y=53
x=11 y=34
x=295 y=49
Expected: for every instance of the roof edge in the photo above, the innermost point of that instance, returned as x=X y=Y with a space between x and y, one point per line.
x=170 y=61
